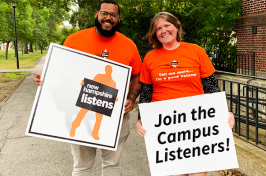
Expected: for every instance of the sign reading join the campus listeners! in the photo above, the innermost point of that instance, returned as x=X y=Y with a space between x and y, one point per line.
x=188 y=135
x=81 y=99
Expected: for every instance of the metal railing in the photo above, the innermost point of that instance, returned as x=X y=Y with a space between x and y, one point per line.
x=246 y=63
x=224 y=62
x=248 y=103
x=242 y=63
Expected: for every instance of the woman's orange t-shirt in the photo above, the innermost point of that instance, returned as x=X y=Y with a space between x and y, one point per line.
x=176 y=73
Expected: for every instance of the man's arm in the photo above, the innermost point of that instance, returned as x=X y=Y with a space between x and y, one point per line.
x=135 y=88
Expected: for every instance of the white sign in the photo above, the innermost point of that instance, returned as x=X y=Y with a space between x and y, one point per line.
x=81 y=99
x=188 y=135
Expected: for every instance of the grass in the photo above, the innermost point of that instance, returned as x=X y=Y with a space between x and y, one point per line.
x=25 y=60
x=6 y=77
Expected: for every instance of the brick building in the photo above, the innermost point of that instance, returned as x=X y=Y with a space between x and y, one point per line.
x=251 y=34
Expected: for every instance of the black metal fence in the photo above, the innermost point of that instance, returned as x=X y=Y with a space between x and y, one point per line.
x=246 y=63
x=224 y=62
x=248 y=103
x=241 y=63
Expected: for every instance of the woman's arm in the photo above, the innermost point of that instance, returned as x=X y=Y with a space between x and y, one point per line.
x=145 y=95
x=210 y=84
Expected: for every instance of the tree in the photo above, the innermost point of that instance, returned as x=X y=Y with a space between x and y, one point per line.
x=23 y=22
x=57 y=16
x=85 y=15
x=40 y=28
x=215 y=27
x=208 y=23
x=4 y=8
x=63 y=33
x=135 y=22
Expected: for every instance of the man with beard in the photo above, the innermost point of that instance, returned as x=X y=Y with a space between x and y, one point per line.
x=104 y=40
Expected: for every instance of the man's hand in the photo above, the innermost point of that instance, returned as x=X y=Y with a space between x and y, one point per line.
x=37 y=78
x=129 y=105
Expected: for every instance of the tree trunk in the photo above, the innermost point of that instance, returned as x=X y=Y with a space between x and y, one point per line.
x=31 y=49
x=35 y=47
x=7 y=45
x=22 y=48
x=26 y=51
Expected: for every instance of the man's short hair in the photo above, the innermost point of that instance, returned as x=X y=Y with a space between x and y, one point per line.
x=109 y=2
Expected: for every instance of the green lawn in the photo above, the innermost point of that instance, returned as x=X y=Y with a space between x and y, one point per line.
x=25 y=60
x=6 y=77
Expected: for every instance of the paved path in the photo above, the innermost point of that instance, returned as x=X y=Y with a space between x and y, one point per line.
x=22 y=155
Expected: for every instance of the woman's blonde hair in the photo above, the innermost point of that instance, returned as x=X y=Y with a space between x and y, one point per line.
x=171 y=19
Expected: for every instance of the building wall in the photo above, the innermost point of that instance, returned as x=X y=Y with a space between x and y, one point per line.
x=253 y=13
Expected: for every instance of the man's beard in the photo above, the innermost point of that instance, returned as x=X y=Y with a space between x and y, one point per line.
x=106 y=33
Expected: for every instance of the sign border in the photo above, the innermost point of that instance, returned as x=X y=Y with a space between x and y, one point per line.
x=34 y=109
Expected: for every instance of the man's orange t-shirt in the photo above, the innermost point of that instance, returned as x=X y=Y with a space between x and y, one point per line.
x=176 y=73
x=120 y=48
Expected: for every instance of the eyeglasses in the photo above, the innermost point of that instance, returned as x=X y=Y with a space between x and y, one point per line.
x=112 y=15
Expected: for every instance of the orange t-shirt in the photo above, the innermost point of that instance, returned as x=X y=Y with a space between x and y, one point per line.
x=176 y=73
x=120 y=48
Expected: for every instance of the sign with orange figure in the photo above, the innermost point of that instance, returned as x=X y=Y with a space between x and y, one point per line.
x=81 y=99
x=96 y=96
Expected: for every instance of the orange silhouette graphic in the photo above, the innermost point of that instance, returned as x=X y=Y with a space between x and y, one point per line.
x=107 y=80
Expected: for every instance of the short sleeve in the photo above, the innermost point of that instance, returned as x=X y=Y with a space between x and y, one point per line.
x=136 y=62
x=206 y=67
x=145 y=75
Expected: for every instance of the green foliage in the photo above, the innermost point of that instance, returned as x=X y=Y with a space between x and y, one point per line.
x=40 y=29
x=63 y=33
x=24 y=22
x=135 y=23
x=85 y=15
x=49 y=15
x=59 y=4
x=4 y=8
x=211 y=23
x=208 y=23
x=57 y=16
x=35 y=20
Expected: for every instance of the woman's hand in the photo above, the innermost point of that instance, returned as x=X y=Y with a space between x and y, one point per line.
x=141 y=131
x=231 y=119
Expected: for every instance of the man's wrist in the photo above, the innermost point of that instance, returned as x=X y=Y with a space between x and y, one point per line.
x=131 y=99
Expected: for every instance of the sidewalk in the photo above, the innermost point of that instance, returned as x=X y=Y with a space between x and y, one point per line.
x=24 y=156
